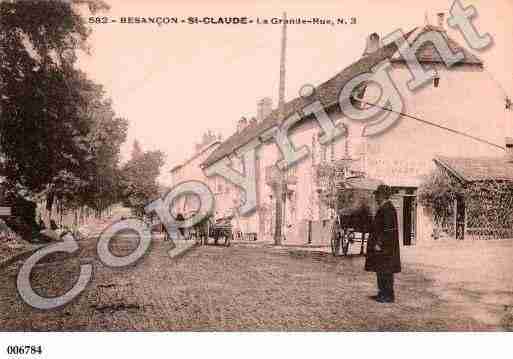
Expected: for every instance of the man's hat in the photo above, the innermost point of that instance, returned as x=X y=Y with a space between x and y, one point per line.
x=384 y=190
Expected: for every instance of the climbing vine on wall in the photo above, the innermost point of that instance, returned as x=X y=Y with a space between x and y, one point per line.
x=488 y=205
x=489 y=209
x=438 y=193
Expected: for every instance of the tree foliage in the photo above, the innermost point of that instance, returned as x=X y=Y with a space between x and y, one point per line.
x=438 y=193
x=140 y=173
x=58 y=133
x=488 y=205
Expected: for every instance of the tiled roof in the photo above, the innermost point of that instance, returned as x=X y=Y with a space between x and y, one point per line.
x=478 y=169
x=196 y=155
x=427 y=53
x=327 y=93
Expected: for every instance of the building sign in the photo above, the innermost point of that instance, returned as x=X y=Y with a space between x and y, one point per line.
x=404 y=172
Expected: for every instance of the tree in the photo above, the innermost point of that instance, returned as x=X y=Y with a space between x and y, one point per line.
x=136 y=150
x=58 y=134
x=139 y=176
x=105 y=138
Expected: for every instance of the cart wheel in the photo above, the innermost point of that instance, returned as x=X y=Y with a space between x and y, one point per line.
x=348 y=239
x=363 y=243
x=345 y=246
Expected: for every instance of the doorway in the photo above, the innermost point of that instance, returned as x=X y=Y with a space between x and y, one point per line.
x=409 y=215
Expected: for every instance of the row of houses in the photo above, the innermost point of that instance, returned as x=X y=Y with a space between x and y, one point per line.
x=459 y=121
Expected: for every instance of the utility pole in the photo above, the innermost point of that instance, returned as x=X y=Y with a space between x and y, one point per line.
x=280 y=187
x=283 y=58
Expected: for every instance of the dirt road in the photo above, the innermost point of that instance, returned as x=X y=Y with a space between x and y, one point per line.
x=262 y=288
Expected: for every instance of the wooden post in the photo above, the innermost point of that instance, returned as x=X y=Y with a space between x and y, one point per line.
x=278 y=215
x=284 y=209
x=455 y=220
x=309 y=232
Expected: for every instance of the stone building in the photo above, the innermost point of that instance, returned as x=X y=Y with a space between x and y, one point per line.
x=190 y=170
x=460 y=112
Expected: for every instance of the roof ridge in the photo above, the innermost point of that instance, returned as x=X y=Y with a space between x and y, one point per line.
x=327 y=93
x=475 y=169
x=454 y=46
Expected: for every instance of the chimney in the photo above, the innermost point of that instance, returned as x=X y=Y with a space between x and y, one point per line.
x=509 y=149
x=441 y=20
x=241 y=125
x=260 y=113
x=264 y=108
x=373 y=44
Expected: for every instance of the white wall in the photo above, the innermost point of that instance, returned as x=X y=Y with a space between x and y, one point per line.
x=466 y=100
x=191 y=170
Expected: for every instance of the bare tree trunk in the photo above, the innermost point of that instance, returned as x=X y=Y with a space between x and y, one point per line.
x=61 y=212
x=49 y=205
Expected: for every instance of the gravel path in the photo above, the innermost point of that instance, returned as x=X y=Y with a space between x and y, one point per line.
x=476 y=277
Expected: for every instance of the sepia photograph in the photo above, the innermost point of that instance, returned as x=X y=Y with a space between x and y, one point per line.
x=242 y=168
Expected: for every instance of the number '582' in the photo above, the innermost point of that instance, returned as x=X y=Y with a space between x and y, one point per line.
x=99 y=20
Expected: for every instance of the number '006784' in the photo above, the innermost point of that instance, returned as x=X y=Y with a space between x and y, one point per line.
x=24 y=349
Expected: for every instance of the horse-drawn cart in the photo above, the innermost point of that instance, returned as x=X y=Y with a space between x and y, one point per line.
x=353 y=222
x=350 y=229
x=210 y=228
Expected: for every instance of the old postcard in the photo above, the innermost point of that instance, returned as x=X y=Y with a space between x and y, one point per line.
x=217 y=166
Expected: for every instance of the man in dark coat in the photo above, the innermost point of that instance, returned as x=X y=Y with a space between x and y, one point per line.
x=383 y=255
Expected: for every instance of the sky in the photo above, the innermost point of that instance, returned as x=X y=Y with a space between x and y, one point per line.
x=176 y=81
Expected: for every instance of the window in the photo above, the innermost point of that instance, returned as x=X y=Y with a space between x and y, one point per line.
x=324 y=153
x=358 y=94
x=292 y=171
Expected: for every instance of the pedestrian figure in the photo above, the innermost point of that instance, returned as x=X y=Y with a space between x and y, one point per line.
x=180 y=218
x=383 y=255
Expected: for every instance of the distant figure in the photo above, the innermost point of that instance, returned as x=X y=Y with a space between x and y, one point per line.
x=53 y=225
x=383 y=255
x=180 y=218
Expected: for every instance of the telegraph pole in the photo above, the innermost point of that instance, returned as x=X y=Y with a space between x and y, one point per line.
x=281 y=185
